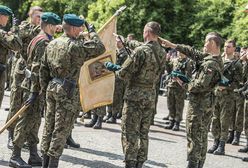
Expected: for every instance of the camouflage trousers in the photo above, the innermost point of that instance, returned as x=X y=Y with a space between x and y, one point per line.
x=100 y=111
x=238 y=114
x=246 y=118
x=27 y=127
x=223 y=114
x=198 y=119
x=16 y=103
x=61 y=112
x=2 y=83
x=135 y=127
x=175 y=103
x=118 y=96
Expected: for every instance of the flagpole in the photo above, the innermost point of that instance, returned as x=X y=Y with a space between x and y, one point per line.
x=118 y=12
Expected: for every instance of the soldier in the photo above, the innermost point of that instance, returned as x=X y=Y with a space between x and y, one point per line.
x=119 y=90
x=176 y=93
x=201 y=87
x=27 y=31
x=28 y=126
x=130 y=37
x=141 y=72
x=225 y=96
x=244 y=94
x=59 y=72
x=8 y=41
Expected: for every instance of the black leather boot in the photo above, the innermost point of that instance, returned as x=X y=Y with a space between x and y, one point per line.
x=214 y=147
x=87 y=115
x=236 y=138
x=130 y=164
x=166 y=118
x=53 y=162
x=171 y=124
x=221 y=148
x=45 y=161
x=70 y=141
x=176 y=126
x=245 y=159
x=245 y=149
x=230 y=137
x=112 y=120
x=10 y=139
x=107 y=117
x=98 y=124
x=139 y=164
x=16 y=160
x=34 y=158
x=92 y=121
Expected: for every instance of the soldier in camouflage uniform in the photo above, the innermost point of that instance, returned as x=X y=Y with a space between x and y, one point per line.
x=244 y=94
x=225 y=96
x=176 y=93
x=59 y=72
x=201 y=103
x=141 y=72
x=8 y=41
x=28 y=126
x=27 y=31
x=119 y=90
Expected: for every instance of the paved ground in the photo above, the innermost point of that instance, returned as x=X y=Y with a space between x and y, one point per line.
x=102 y=148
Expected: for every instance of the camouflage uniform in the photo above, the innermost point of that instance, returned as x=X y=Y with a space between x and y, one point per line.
x=7 y=42
x=224 y=107
x=119 y=84
x=28 y=126
x=176 y=93
x=245 y=77
x=26 y=32
x=62 y=61
x=141 y=72
x=201 y=103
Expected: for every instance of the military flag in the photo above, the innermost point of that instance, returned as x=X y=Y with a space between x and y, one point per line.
x=96 y=83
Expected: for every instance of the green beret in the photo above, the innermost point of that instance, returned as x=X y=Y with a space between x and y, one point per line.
x=4 y=10
x=50 y=18
x=73 y=20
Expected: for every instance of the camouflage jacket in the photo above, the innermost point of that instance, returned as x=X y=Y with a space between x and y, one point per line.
x=209 y=73
x=35 y=51
x=27 y=32
x=142 y=71
x=8 y=42
x=64 y=57
x=233 y=72
x=184 y=65
x=121 y=56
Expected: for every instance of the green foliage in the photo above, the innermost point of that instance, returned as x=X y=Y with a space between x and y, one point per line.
x=182 y=21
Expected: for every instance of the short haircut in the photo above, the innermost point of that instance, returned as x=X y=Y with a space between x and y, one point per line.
x=233 y=42
x=33 y=9
x=66 y=27
x=43 y=24
x=131 y=34
x=216 y=37
x=154 y=27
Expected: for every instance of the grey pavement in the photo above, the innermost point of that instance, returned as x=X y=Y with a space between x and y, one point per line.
x=102 y=148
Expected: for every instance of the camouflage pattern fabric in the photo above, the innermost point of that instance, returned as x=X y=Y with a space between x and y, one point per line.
x=224 y=109
x=176 y=93
x=28 y=126
x=201 y=102
x=62 y=60
x=119 y=89
x=141 y=72
x=7 y=42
